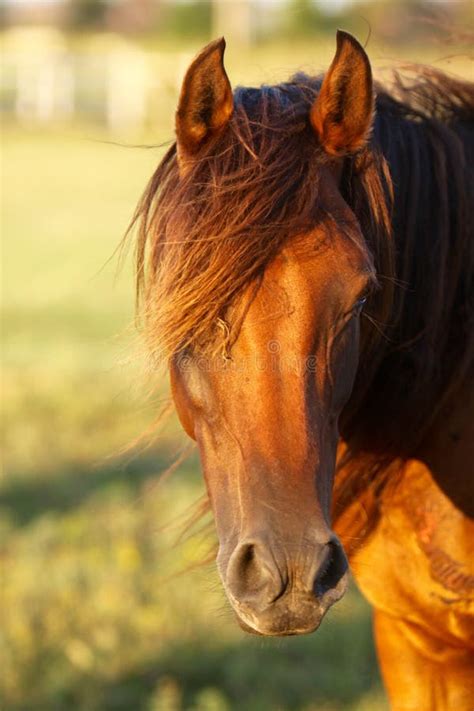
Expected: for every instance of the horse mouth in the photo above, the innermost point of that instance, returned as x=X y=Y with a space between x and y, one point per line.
x=284 y=620
x=289 y=615
x=279 y=633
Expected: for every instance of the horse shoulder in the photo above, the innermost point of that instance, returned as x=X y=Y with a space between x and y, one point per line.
x=415 y=564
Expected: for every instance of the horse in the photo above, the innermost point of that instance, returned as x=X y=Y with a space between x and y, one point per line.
x=305 y=268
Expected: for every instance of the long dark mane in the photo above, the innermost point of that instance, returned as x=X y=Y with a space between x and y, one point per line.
x=425 y=130
x=208 y=235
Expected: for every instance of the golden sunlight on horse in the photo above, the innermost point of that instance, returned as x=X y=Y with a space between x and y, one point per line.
x=306 y=269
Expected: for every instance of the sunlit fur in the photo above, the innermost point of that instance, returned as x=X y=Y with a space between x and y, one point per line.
x=206 y=234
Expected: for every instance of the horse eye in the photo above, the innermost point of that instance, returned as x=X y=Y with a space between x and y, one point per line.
x=360 y=303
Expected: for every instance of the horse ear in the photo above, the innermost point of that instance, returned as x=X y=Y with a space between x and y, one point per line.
x=343 y=111
x=206 y=103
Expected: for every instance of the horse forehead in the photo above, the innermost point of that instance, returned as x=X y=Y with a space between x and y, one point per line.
x=302 y=289
x=326 y=261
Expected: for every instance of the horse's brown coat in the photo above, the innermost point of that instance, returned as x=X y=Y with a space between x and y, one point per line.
x=261 y=231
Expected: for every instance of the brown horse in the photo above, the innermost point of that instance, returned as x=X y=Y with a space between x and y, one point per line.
x=306 y=265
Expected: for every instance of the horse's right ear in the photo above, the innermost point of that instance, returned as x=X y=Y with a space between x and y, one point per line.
x=206 y=103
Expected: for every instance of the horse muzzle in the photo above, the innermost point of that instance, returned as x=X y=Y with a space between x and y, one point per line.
x=277 y=590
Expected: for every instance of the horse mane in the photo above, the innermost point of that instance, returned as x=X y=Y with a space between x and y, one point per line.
x=425 y=129
x=208 y=234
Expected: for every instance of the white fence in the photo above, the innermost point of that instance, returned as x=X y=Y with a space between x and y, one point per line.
x=107 y=79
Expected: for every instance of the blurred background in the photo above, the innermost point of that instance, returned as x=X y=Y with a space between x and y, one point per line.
x=104 y=605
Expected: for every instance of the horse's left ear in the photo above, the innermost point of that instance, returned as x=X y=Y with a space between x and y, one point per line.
x=206 y=102
x=343 y=112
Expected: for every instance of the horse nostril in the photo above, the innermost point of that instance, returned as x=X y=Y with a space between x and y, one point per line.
x=252 y=574
x=247 y=568
x=331 y=571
